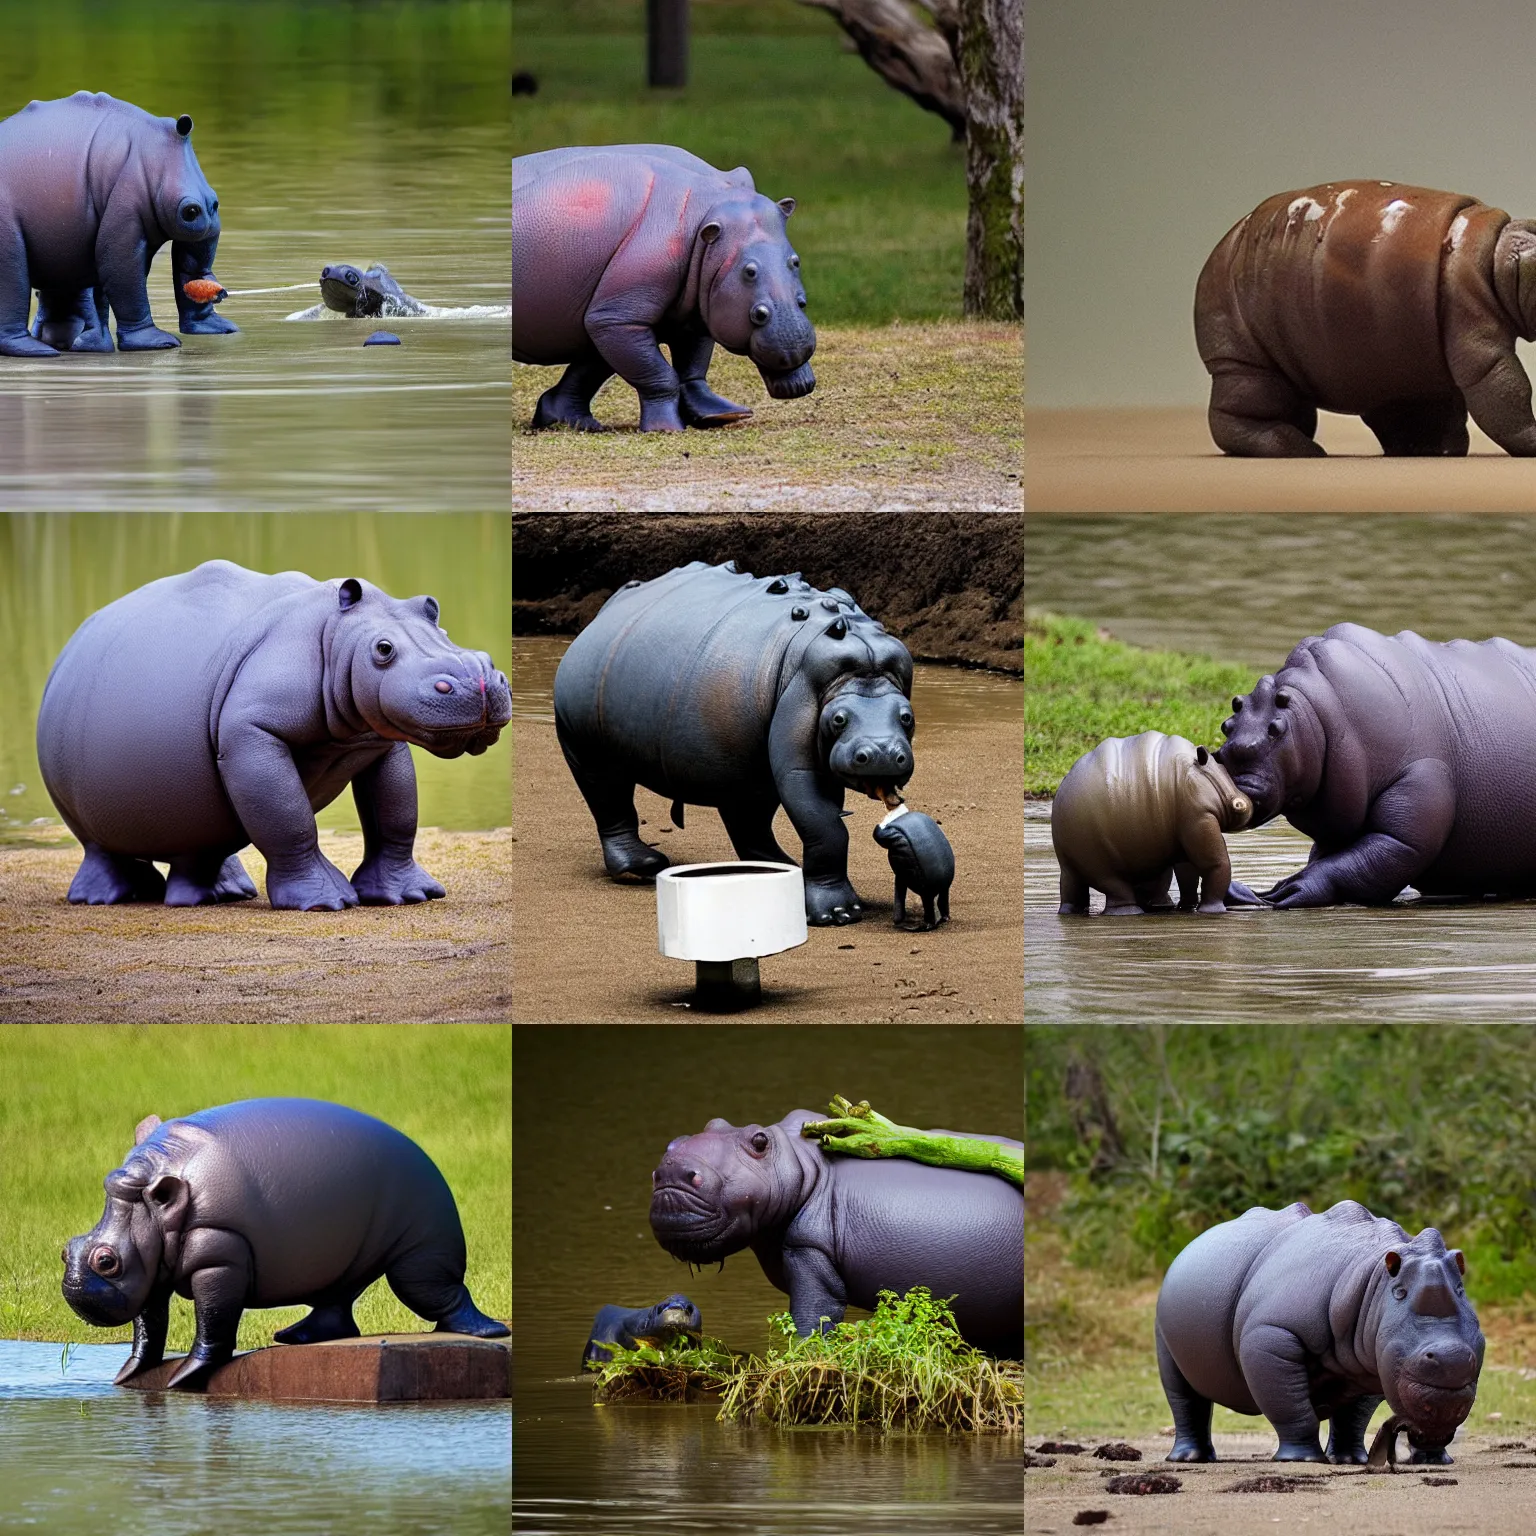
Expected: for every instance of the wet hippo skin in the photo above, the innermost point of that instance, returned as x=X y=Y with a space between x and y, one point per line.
x=362 y=295
x=674 y=1318
x=1397 y=304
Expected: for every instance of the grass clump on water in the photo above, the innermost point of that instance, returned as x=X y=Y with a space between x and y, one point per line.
x=904 y=1367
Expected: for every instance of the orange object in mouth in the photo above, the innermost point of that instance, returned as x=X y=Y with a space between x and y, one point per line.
x=203 y=289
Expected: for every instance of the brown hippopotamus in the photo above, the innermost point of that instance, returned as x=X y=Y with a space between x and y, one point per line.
x=1137 y=810
x=1397 y=304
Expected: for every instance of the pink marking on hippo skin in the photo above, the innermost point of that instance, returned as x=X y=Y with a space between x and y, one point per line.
x=588 y=199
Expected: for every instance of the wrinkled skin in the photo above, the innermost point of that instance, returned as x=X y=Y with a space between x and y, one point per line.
x=714 y=687
x=620 y=249
x=1397 y=304
x=223 y=707
x=833 y=1232
x=1303 y=1317
x=922 y=861
x=1397 y=756
x=674 y=1318
x=268 y=1203
x=90 y=189
x=363 y=295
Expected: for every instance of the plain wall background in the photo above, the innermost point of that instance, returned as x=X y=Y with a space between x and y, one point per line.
x=1151 y=129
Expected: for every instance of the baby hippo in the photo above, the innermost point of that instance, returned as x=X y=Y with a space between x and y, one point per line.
x=674 y=1318
x=1135 y=811
x=922 y=861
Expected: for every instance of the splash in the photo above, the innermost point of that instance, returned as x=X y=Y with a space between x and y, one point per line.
x=433 y=312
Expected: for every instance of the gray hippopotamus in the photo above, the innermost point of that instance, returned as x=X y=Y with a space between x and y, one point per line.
x=1137 y=810
x=834 y=1232
x=362 y=295
x=90 y=189
x=714 y=687
x=1397 y=756
x=1397 y=304
x=268 y=1203
x=1304 y=1317
x=922 y=861
x=224 y=707
x=674 y=1318
x=618 y=249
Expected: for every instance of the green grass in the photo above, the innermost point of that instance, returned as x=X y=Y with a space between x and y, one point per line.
x=1084 y=685
x=73 y=1095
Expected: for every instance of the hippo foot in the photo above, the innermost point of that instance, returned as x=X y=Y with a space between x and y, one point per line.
x=1296 y=1451
x=468 y=1318
x=1124 y=909
x=556 y=410
x=702 y=407
x=1212 y=908
x=193 y=1372
x=1428 y=1456
x=1072 y=909
x=664 y=415
x=832 y=903
x=93 y=340
x=393 y=882
x=627 y=855
x=107 y=879
x=1306 y=888
x=148 y=338
x=322 y=1324
x=208 y=325
x=1355 y=1458
x=25 y=346
x=184 y=889
x=1191 y=1450
x=318 y=886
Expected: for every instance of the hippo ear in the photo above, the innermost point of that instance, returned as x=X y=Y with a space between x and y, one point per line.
x=786 y=206
x=717 y=1124
x=170 y=1200
x=1394 y=1262
x=710 y=232
x=349 y=594
x=1461 y=1263
x=430 y=608
x=184 y=126
x=1202 y=757
x=145 y=1129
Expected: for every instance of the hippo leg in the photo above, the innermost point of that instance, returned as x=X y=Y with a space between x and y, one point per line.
x=220 y=1281
x=1498 y=394
x=612 y=803
x=122 y=260
x=700 y=405
x=1154 y=895
x=749 y=825
x=628 y=345
x=1346 y=1431
x=149 y=1330
x=931 y=917
x=569 y=403
x=943 y=904
x=1257 y=413
x=1427 y=1455
x=60 y=316
x=1120 y=898
x=16 y=301
x=1191 y=1412
x=1421 y=428
x=431 y=1287
x=818 y=1298
x=330 y=1319
x=1075 y=892
x=105 y=879
x=1274 y=1364
x=200 y=880
x=899 y=904
x=385 y=794
x=189 y=261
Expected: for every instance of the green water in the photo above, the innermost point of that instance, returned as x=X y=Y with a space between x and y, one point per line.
x=58 y=569
x=332 y=132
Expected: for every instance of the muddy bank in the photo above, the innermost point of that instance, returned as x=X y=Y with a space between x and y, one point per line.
x=244 y=963
x=950 y=584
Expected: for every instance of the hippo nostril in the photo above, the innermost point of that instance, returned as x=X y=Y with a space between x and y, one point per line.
x=861 y=757
x=697 y=1180
x=761 y=314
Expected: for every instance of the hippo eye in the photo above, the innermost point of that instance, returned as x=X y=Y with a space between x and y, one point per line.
x=794 y=262
x=839 y=720
x=105 y=1262
x=750 y=271
x=383 y=651
x=190 y=213
x=759 y=1143
x=906 y=718
x=1400 y=1293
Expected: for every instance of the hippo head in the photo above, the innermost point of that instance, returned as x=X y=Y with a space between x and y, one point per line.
x=393 y=671
x=1236 y=808
x=1429 y=1348
x=1270 y=749
x=676 y=1317
x=713 y=1192
x=865 y=737
x=186 y=206
x=750 y=292
x=343 y=288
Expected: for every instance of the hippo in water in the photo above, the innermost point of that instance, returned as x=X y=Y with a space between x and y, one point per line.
x=90 y=189
x=363 y=295
x=834 y=1232
x=620 y=249
x=224 y=707
x=1303 y=1317
x=268 y=1203
x=674 y=1318
x=711 y=686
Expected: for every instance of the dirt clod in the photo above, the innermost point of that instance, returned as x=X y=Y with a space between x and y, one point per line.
x=1090 y=1517
x=1441 y=1482
x=1060 y=1448
x=1143 y=1482
x=1032 y=1460
x=1117 y=1450
x=1270 y=1483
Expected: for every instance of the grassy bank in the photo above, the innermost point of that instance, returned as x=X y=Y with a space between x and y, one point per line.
x=1085 y=685
x=74 y=1094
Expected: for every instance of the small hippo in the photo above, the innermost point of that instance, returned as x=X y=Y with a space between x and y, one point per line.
x=1303 y=1317
x=90 y=189
x=1135 y=811
x=674 y=1318
x=268 y=1203
x=921 y=859
x=619 y=249
x=223 y=707
x=364 y=295
x=834 y=1232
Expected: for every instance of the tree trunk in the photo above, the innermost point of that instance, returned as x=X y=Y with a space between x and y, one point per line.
x=989 y=48
x=666 y=39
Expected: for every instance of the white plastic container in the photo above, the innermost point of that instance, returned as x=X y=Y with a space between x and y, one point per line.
x=724 y=912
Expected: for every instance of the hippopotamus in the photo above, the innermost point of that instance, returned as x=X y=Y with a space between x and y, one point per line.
x=674 y=1318
x=618 y=249
x=351 y=291
x=1397 y=304
x=90 y=189
x=921 y=859
x=268 y=1203
x=1302 y=1317
x=1137 y=810
x=222 y=707
x=1396 y=755
x=712 y=686
x=834 y=1232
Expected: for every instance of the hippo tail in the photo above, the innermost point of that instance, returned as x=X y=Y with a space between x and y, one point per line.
x=677 y=814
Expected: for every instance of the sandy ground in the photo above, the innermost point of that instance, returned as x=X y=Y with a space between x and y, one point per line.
x=1163 y=460
x=244 y=963
x=585 y=946
x=1494 y=1491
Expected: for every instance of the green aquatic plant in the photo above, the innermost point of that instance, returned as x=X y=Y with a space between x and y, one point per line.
x=856 y=1130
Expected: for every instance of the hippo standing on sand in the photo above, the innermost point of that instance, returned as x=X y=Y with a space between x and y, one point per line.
x=1393 y=303
x=618 y=249
x=711 y=686
x=1303 y=1317
x=922 y=861
x=834 y=1232
x=268 y=1203
x=362 y=295
x=223 y=707
x=90 y=189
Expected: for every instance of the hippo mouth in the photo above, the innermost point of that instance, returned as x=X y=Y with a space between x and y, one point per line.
x=687 y=1226
x=889 y=793
x=99 y=1304
x=789 y=386
x=675 y=1320
x=1433 y=1412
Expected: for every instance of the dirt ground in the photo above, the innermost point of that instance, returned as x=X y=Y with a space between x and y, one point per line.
x=243 y=963
x=584 y=946
x=1492 y=1491
x=1163 y=460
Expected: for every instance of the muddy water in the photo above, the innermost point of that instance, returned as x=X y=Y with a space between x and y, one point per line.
x=56 y=570
x=594 y=1108
x=80 y=1455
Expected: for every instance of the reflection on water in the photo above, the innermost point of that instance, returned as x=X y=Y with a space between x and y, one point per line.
x=56 y=570
x=78 y=1454
x=582 y=1239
